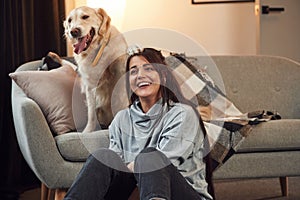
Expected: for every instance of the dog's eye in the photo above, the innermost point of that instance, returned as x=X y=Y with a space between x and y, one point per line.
x=85 y=16
x=69 y=20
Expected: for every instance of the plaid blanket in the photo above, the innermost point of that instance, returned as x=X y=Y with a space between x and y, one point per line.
x=226 y=125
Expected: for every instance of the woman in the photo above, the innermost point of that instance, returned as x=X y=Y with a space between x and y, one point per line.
x=157 y=143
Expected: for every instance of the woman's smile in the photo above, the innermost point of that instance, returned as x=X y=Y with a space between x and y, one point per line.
x=143 y=84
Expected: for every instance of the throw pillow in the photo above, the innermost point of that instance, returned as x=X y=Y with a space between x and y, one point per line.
x=57 y=92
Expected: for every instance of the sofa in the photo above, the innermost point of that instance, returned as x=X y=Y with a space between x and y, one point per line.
x=272 y=149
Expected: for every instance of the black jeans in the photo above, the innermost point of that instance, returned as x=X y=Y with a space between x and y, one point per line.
x=105 y=176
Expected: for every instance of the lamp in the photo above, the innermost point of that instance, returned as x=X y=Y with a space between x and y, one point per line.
x=114 y=8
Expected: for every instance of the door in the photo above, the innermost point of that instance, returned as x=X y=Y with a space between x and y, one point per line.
x=278 y=28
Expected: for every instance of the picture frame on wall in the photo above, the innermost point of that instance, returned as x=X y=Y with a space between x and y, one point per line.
x=219 y=1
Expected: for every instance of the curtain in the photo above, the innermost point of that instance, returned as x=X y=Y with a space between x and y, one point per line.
x=29 y=30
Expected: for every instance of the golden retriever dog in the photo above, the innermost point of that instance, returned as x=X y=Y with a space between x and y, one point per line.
x=100 y=53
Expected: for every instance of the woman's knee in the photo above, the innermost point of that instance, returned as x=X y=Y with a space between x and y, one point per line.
x=150 y=159
x=107 y=158
x=104 y=153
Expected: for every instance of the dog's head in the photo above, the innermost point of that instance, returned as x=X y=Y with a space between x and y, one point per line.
x=85 y=27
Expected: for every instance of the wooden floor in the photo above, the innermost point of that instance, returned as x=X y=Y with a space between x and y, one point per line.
x=256 y=189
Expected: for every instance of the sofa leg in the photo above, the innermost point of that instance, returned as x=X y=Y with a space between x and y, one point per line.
x=284 y=186
x=44 y=192
x=60 y=194
x=50 y=194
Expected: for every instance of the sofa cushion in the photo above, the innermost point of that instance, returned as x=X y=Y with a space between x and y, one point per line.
x=277 y=135
x=76 y=146
x=57 y=92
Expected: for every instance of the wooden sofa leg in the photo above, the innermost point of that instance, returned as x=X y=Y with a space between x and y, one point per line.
x=48 y=194
x=60 y=194
x=284 y=186
x=44 y=192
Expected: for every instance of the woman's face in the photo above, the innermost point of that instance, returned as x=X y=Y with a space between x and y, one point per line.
x=144 y=79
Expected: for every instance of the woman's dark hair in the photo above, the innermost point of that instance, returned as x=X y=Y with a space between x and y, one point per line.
x=170 y=90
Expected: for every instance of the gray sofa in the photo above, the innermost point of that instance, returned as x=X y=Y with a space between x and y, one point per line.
x=251 y=82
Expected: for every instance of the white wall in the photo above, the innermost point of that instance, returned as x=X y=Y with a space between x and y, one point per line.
x=219 y=28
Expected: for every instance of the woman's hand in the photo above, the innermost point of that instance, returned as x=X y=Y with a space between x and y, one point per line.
x=130 y=166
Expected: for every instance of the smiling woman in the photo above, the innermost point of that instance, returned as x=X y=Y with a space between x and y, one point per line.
x=156 y=144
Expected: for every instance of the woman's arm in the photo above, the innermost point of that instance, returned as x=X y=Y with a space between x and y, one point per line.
x=181 y=134
x=116 y=142
x=115 y=137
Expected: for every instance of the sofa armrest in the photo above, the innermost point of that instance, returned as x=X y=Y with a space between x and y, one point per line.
x=37 y=143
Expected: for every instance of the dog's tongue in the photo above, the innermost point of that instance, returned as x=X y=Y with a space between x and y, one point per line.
x=79 y=47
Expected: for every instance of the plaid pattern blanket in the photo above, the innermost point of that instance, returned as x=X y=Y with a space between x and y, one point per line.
x=226 y=125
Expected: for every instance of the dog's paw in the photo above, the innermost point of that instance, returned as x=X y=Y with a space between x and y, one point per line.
x=55 y=57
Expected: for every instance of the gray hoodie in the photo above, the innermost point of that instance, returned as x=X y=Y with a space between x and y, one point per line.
x=174 y=130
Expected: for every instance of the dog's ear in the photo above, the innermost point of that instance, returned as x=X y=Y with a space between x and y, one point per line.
x=105 y=22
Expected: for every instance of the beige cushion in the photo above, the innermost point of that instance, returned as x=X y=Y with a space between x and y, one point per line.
x=53 y=92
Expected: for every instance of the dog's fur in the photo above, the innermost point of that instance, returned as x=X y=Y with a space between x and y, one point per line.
x=86 y=28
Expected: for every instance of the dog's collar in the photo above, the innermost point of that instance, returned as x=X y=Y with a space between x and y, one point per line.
x=103 y=45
